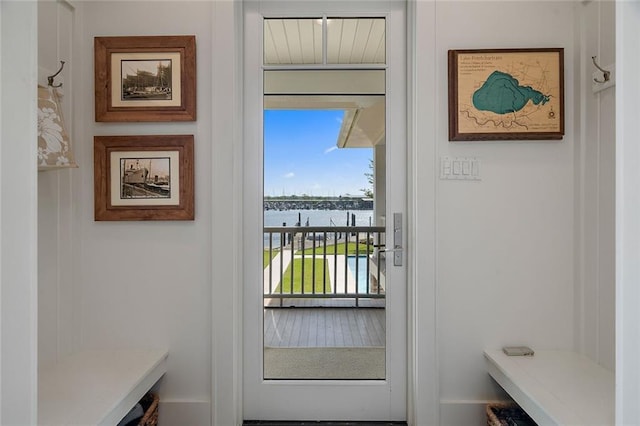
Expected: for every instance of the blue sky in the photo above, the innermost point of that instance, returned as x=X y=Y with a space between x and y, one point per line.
x=301 y=157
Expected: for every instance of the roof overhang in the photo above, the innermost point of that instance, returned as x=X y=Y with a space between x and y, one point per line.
x=363 y=122
x=359 y=93
x=363 y=127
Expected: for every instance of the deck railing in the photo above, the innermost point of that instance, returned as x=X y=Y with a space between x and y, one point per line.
x=304 y=263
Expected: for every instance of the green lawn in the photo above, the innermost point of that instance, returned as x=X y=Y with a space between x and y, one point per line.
x=266 y=259
x=308 y=277
x=340 y=248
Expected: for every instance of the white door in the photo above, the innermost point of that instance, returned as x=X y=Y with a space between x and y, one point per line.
x=380 y=396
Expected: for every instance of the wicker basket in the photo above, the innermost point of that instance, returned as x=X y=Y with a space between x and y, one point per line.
x=507 y=414
x=150 y=417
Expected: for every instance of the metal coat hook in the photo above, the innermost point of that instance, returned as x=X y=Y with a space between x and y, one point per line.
x=51 y=77
x=605 y=74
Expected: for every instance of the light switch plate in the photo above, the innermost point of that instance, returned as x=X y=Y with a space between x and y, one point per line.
x=459 y=168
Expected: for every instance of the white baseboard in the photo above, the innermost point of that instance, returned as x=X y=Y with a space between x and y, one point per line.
x=461 y=412
x=184 y=413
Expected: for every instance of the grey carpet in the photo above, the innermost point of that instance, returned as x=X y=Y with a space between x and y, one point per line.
x=319 y=423
x=363 y=363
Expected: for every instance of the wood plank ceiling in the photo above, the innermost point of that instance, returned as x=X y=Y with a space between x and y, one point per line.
x=349 y=41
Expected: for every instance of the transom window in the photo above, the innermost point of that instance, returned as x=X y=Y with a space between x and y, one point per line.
x=309 y=41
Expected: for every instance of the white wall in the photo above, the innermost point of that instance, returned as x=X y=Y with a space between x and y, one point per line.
x=148 y=284
x=627 y=214
x=595 y=189
x=503 y=270
x=423 y=405
x=18 y=213
x=226 y=172
x=57 y=26
x=504 y=262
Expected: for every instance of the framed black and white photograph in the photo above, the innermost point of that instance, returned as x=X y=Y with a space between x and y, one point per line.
x=143 y=177
x=145 y=78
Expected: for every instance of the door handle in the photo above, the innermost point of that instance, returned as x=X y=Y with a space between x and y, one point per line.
x=397 y=239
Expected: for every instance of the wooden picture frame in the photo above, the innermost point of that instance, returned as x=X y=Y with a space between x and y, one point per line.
x=144 y=177
x=506 y=94
x=145 y=78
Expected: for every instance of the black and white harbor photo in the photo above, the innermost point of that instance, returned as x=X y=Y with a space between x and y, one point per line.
x=146 y=79
x=145 y=178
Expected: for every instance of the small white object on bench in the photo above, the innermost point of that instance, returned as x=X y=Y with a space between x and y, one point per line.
x=556 y=387
x=97 y=387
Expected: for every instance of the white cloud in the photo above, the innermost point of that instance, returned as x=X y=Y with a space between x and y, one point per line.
x=289 y=175
x=328 y=150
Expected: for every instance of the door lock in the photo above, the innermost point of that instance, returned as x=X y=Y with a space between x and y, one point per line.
x=397 y=239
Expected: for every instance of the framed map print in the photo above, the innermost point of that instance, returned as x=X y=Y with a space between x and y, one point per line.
x=506 y=94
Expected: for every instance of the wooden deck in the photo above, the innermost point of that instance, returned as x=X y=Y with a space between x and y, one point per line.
x=324 y=327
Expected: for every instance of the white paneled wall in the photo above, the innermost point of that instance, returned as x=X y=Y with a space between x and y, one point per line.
x=505 y=251
x=505 y=247
x=18 y=213
x=149 y=284
x=595 y=189
x=56 y=191
x=627 y=215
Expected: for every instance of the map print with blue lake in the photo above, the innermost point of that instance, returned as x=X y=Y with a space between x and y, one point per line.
x=502 y=94
x=507 y=93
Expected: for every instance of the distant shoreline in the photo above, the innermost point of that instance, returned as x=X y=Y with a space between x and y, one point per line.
x=318 y=203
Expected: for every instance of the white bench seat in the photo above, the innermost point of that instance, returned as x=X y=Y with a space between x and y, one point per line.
x=96 y=387
x=556 y=387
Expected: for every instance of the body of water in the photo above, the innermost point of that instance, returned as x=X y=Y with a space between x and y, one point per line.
x=313 y=218
x=317 y=217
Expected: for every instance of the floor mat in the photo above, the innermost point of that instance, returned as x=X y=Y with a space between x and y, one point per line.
x=365 y=363
x=319 y=423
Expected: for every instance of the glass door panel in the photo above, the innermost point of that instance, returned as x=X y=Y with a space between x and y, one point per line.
x=324 y=278
x=324 y=327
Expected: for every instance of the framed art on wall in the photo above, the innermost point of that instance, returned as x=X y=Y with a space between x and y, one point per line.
x=506 y=94
x=144 y=177
x=145 y=78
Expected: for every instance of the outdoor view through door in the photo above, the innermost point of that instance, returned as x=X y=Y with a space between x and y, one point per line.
x=324 y=293
x=324 y=208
